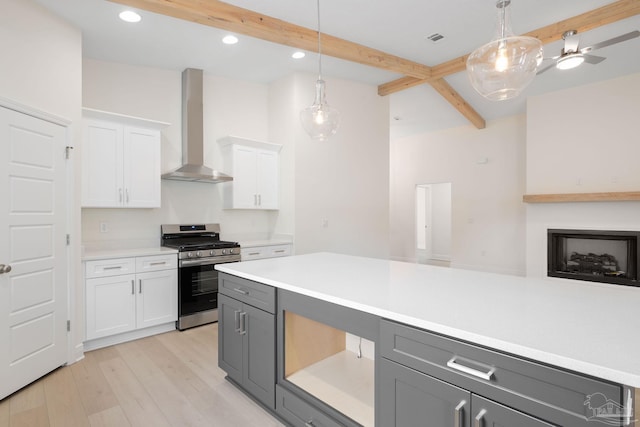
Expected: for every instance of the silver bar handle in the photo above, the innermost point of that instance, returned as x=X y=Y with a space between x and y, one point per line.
x=241 y=291
x=115 y=267
x=127 y=193
x=133 y=287
x=236 y=315
x=259 y=199
x=458 y=412
x=139 y=286
x=120 y=198
x=243 y=323
x=158 y=263
x=279 y=251
x=478 y=420
x=453 y=364
x=309 y=424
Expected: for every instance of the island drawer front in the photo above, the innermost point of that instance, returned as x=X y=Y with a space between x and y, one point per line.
x=550 y=393
x=256 y=294
x=109 y=267
x=301 y=414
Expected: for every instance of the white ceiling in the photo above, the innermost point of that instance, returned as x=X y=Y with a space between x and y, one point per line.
x=398 y=27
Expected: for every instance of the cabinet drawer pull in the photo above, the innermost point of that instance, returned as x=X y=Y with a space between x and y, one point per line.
x=458 y=414
x=158 y=263
x=241 y=291
x=478 y=420
x=116 y=267
x=309 y=424
x=279 y=251
x=453 y=364
x=253 y=253
x=243 y=323
x=236 y=315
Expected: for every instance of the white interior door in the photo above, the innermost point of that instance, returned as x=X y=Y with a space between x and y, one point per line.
x=424 y=222
x=33 y=294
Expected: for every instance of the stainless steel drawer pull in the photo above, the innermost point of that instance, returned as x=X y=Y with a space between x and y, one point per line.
x=243 y=323
x=484 y=375
x=309 y=424
x=236 y=315
x=279 y=251
x=241 y=291
x=158 y=263
x=117 y=267
x=254 y=253
x=478 y=420
x=458 y=414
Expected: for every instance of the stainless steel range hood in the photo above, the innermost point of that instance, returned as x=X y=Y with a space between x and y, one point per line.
x=193 y=168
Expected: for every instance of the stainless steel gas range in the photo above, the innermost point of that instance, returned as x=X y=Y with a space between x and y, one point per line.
x=199 y=250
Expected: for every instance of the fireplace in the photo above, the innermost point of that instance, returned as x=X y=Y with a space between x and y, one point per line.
x=594 y=255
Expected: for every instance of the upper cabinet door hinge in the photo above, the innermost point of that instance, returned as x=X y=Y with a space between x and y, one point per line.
x=67 y=151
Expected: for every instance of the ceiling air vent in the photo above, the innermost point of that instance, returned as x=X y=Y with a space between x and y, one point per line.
x=435 y=37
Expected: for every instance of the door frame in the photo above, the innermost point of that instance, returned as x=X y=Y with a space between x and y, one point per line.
x=71 y=217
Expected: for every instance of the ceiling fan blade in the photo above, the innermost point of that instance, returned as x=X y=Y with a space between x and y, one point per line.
x=622 y=38
x=593 y=59
x=542 y=70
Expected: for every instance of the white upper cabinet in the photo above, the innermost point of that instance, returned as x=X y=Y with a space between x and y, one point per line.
x=255 y=168
x=121 y=161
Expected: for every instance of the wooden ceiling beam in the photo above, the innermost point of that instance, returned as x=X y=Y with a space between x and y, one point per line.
x=604 y=15
x=454 y=98
x=225 y=16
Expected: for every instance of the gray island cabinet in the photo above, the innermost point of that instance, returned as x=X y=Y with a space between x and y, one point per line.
x=326 y=340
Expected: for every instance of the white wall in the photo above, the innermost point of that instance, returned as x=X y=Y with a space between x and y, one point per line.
x=486 y=171
x=343 y=183
x=41 y=68
x=578 y=145
x=231 y=107
x=441 y=212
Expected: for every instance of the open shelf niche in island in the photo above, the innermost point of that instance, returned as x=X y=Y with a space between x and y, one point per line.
x=334 y=366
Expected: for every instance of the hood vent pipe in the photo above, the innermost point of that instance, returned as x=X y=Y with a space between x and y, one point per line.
x=193 y=168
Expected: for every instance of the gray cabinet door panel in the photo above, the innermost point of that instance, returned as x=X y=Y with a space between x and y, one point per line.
x=229 y=340
x=411 y=399
x=299 y=413
x=260 y=355
x=492 y=414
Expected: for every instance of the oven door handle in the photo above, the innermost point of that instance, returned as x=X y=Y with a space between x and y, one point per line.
x=198 y=262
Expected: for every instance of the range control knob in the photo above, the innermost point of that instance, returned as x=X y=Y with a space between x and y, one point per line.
x=198 y=254
x=212 y=252
x=189 y=254
x=224 y=252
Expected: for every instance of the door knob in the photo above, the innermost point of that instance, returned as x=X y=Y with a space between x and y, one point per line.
x=4 y=268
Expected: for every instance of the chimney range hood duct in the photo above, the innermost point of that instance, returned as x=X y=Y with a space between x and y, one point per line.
x=193 y=168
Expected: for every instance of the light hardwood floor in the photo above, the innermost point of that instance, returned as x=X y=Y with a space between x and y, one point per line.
x=170 y=379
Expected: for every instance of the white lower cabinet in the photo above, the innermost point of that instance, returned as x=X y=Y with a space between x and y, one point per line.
x=117 y=303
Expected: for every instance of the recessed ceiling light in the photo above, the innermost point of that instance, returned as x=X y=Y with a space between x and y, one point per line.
x=229 y=39
x=298 y=55
x=130 y=16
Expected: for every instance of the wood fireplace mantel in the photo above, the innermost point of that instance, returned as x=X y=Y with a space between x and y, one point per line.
x=617 y=196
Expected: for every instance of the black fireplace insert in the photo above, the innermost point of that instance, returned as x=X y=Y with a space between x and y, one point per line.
x=594 y=255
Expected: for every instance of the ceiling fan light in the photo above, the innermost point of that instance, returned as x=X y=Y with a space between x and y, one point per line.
x=570 y=61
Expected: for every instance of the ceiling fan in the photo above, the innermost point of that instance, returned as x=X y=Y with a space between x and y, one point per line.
x=572 y=56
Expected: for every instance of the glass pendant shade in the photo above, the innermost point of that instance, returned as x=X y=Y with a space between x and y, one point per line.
x=502 y=68
x=320 y=120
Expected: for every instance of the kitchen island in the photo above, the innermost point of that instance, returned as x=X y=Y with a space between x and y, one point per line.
x=582 y=327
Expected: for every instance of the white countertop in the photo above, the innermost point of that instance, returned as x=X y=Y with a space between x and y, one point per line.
x=583 y=326
x=106 y=253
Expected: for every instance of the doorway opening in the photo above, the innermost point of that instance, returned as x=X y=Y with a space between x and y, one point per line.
x=433 y=223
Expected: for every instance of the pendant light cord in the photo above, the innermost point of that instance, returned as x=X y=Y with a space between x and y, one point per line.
x=319 y=44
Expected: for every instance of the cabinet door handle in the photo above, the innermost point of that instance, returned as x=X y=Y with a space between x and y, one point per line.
x=127 y=193
x=139 y=286
x=453 y=364
x=259 y=199
x=458 y=413
x=478 y=420
x=133 y=287
x=236 y=318
x=120 y=195
x=243 y=323
x=241 y=291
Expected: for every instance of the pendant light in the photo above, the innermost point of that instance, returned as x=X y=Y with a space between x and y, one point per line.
x=502 y=68
x=320 y=120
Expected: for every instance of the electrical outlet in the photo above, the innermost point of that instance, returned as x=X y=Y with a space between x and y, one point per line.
x=104 y=227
